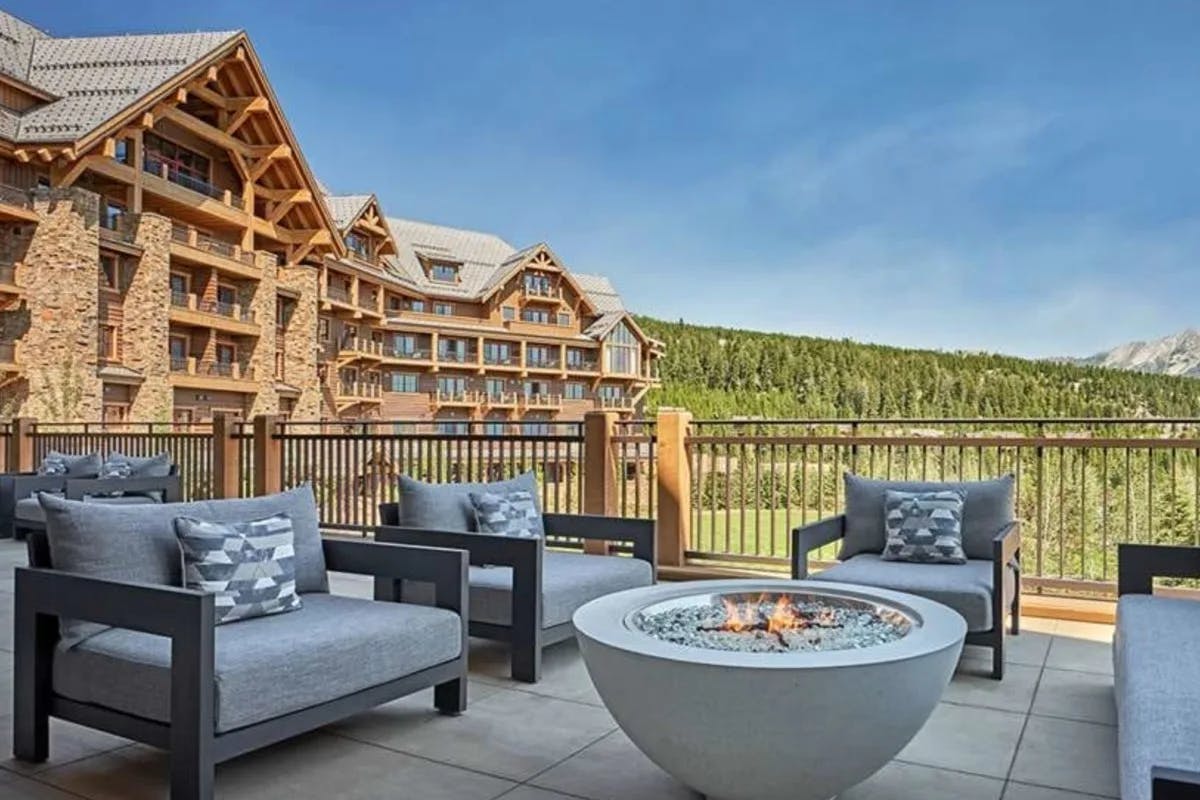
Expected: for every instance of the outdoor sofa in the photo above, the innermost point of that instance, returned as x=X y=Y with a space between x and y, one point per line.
x=984 y=590
x=1155 y=652
x=521 y=592
x=138 y=656
x=150 y=480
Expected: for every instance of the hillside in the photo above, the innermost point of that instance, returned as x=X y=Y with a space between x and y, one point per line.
x=720 y=372
x=1178 y=354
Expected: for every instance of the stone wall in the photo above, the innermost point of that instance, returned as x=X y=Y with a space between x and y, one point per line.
x=262 y=358
x=300 y=340
x=57 y=326
x=145 y=328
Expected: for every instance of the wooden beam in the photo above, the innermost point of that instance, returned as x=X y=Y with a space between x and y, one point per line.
x=254 y=106
x=45 y=155
x=299 y=254
x=285 y=195
x=280 y=212
x=205 y=131
x=269 y=151
x=210 y=97
x=212 y=73
x=181 y=95
x=22 y=156
x=109 y=148
x=64 y=177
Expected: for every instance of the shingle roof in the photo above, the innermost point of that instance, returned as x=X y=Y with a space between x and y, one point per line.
x=600 y=291
x=92 y=78
x=345 y=207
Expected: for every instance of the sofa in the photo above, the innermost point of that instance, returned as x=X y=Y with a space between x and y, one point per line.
x=985 y=590
x=106 y=635
x=521 y=592
x=1155 y=652
x=148 y=480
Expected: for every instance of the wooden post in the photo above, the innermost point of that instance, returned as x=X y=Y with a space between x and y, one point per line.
x=226 y=464
x=599 y=471
x=268 y=455
x=674 y=486
x=20 y=445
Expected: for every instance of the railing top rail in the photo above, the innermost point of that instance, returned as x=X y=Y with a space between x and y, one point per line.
x=843 y=421
x=1089 y=442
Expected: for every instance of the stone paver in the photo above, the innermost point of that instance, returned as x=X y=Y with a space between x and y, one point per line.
x=1044 y=733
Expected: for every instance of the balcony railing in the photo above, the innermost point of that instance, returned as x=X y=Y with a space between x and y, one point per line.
x=156 y=165
x=614 y=402
x=235 y=370
x=8 y=352
x=191 y=237
x=457 y=356
x=116 y=227
x=500 y=398
x=8 y=274
x=585 y=365
x=509 y=359
x=542 y=363
x=542 y=292
x=361 y=346
x=411 y=353
x=15 y=196
x=456 y=397
x=191 y=302
x=359 y=389
x=338 y=294
x=369 y=304
x=541 y=400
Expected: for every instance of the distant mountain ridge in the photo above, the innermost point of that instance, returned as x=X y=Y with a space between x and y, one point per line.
x=1177 y=354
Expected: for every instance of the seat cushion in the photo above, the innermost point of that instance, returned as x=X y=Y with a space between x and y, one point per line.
x=988 y=507
x=268 y=666
x=967 y=588
x=447 y=506
x=1155 y=653
x=568 y=581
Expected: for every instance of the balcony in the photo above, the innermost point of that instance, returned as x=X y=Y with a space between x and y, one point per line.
x=189 y=244
x=154 y=164
x=588 y=366
x=338 y=294
x=358 y=391
x=552 y=364
x=358 y=348
x=369 y=305
x=116 y=226
x=534 y=401
x=16 y=204
x=615 y=403
x=457 y=357
x=8 y=358
x=501 y=399
x=195 y=373
x=511 y=360
x=542 y=294
x=190 y=309
x=407 y=355
x=456 y=399
x=10 y=291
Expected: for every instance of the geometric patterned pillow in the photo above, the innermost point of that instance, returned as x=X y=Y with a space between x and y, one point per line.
x=924 y=527
x=509 y=513
x=53 y=464
x=249 y=566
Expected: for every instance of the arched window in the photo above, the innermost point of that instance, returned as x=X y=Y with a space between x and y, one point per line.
x=624 y=351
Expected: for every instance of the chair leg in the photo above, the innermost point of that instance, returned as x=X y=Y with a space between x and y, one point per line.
x=526 y=658
x=451 y=697
x=31 y=731
x=1016 y=614
x=33 y=637
x=998 y=653
x=193 y=773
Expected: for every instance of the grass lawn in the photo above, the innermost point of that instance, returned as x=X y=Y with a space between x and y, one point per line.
x=758 y=532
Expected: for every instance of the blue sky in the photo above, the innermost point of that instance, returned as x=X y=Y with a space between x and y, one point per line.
x=1015 y=176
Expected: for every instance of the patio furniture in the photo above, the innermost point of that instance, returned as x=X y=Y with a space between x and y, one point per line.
x=984 y=590
x=20 y=512
x=165 y=675
x=1155 y=651
x=522 y=593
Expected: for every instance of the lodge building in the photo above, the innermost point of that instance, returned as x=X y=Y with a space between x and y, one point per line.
x=167 y=252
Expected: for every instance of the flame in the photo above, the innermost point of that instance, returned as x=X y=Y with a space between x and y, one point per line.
x=737 y=618
x=783 y=616
x=741 y=617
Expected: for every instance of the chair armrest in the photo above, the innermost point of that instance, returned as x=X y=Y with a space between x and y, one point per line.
x=169 y=485
x=391 y=563
x=807 y=538
x=632 y=530
x=1174 y=784
x=1139 y=564
x=1006 y=545
x=483 y=548
x=27 y=485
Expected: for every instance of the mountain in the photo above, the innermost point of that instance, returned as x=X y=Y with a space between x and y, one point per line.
x=1178 y=354
x=724 y=372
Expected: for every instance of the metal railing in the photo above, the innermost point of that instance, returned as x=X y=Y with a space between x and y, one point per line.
x=1082 y=486
x=15 y=196
x=337 y=293
x=156 y=165
x=457 y=356
x=184 y=234
x=8 y=352
x=8 y=274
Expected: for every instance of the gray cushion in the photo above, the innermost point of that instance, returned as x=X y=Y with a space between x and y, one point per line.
x=923 y=527
x=137 y=542
x=967 y=588
x=507 y=513
x=1155 y=653
x=988 y=508
x=85 y=466
x=268 y=666
x=29 y=509
x=447 y=506
x=158 y=466
x=568 y=581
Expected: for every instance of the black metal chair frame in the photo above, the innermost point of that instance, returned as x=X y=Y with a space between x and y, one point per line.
x=44 y=595
x=525 y=635
x=14 y=486
x=1006 y=552
x=1137 y=567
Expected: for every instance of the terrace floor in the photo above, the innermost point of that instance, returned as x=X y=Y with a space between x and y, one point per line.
x=1045 y=733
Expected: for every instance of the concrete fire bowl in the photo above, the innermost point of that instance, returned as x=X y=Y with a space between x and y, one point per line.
x=768 y=726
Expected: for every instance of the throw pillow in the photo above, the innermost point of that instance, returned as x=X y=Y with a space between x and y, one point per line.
x=53 y=464
x=924 y=527
x=249 y=566
x=56 y=463
x=447 y=506
x=508 y=513
x=119 y=466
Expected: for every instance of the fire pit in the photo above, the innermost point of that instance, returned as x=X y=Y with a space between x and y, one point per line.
x=769 y=690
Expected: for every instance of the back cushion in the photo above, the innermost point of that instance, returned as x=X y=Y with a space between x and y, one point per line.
x=158 y=466
x=988 y=507
x=85 y=466
x=448 y=507
x=138 y=543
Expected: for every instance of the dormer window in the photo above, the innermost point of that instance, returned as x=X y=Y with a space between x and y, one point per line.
x=445 y=273
x=358 y=245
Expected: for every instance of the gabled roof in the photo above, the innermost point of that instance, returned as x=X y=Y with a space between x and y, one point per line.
x=345 y=208
x=600 y=291
x=92 y=79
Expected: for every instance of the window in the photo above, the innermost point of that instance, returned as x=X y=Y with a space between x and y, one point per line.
x=417 y=306
x=536 y=283
x=446 y=273
x=577 y=359
x=497 y=352
x=573 y=391
x=564 y=319
x=494 y=387
x=284 y=308
x=448 y=385
x=395 y=303
x=508 y=313
x=279 y=364
x=110 y=271
x=538 y=355
x=115 y=412
x=359 y=245
x=451 y=427
x=624 y=352
x=226 y=299
x=323 y=329
x=535 y=315
x=452 y=349
x=110 y=342
x=121 y=151
x=179 y=289
x=406 y=382
x=536 y=388
x=610 y=391
x=226 y=353
x=178 y=348
x=404 y=344
x=443 y=309
x=183 y=166
x=111 y=214
x=535 y=426
x=494 y=428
